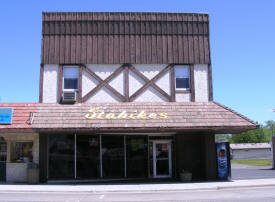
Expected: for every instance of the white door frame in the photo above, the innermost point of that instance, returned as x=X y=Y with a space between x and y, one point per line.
x=155 y=161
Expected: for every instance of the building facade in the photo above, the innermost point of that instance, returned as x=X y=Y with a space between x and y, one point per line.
x=122 y=96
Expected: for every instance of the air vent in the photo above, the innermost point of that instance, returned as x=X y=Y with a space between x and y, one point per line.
x=69 y=97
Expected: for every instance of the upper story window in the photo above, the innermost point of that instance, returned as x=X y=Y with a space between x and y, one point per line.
x=182 y=77
x=70 y=78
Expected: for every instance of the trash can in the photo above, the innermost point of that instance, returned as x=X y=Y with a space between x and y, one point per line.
x=32 y=173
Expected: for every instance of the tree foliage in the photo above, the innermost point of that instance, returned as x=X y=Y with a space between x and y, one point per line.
x=261 y=134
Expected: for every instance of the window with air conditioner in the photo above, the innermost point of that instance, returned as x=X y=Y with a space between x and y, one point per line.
x=182 y=77
x=70 y=84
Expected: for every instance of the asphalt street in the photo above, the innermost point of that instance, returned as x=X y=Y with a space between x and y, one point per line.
x=240 y=172
x=263 y=194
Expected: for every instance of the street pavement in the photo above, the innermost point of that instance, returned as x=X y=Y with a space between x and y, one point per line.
x=239 y=172
x=263 y=194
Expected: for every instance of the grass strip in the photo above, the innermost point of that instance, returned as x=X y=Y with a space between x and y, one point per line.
x=254 y=162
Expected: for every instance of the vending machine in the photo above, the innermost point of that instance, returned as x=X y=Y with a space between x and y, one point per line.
x=223 y=161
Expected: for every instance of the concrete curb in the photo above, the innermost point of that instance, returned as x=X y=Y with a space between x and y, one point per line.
x=246 y=186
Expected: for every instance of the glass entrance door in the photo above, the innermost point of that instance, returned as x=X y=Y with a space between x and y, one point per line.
x=3 y=158
x=162 y=159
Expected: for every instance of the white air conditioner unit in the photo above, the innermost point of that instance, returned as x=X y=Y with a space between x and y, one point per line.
x=69 y=97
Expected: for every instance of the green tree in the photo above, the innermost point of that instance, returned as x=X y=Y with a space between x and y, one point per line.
x=222 y=137
x=270 y=126
x=261 y=134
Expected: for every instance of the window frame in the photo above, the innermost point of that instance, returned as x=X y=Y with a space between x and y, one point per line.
x=63 y=79
x=189 y=77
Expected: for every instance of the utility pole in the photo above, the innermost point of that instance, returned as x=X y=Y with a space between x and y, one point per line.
x=273 y=152
x=273 y=147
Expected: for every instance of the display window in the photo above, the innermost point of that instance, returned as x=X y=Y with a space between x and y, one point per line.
x=21 y=152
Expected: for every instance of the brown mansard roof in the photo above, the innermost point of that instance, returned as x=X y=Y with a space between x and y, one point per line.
x=181 y=116
x=116 y=38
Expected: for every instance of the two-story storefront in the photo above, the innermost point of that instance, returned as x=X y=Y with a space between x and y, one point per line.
x=122 y=96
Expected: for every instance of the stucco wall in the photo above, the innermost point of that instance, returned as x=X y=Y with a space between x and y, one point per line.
x=88 y=83
x=103 y=71
x=201 y=83
x=244 y=154
x=149 y=94
x=104 y=95
x=183 y=97
x=17 y=172
x=50 y=83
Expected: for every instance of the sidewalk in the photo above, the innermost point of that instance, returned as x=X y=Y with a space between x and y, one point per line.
x=139 y=187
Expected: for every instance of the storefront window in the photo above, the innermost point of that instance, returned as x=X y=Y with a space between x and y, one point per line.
x=3 y=151
x=137 y=154
x=113 y=156
x=21 y=152
x=151 y=162
x=61 y=156
x=88 y=156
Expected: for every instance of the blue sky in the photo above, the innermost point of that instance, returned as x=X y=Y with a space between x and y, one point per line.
x=242 y=39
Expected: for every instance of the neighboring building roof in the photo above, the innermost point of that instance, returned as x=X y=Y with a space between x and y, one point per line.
x=20 y=116
x=118 y=37
x=251 y=146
